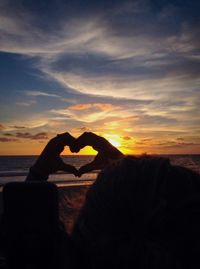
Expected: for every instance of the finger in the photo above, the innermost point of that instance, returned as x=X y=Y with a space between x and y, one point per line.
x=56 y=145
x=99 y=163
x=80 y=143
x=68 y=168
x=65 y=139
x=89 y=139
x=87 y=168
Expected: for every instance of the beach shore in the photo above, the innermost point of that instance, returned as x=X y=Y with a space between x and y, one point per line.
x=71 y=200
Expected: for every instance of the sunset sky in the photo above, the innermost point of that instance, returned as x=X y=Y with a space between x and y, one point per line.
x=127 y=70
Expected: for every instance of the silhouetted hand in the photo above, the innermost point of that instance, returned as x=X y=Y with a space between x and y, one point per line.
x=50 y=160
x=106 y=151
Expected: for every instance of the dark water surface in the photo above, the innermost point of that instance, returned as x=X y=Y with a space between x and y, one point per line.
x=16 y=167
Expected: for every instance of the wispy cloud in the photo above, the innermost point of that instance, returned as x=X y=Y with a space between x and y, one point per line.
x=26 y=104
x=98 y=106
x=18 y=127
x=130 y=65
x=40 y=93
x=5 y=139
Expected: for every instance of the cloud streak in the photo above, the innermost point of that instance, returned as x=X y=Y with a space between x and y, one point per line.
x=27 y=135
x=40 y=93
x=24 y=135
x=8 y=140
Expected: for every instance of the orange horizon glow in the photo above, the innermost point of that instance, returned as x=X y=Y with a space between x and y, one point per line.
x=128 y=146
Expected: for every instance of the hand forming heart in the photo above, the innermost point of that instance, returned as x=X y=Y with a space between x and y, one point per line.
x=50 y=160
x=106 y=151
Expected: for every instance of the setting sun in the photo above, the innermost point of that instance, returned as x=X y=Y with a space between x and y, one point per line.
x=115 y=140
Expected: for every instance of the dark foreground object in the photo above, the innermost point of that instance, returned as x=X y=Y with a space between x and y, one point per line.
x=33 y=235
x=141 y=213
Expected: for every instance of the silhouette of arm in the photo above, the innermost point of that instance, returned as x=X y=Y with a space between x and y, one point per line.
x=106 y=152
x=50 y=161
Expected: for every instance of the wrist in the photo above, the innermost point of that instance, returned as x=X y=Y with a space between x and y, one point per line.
x=36 y=175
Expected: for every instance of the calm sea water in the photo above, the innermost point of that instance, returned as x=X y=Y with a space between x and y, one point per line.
x=16 y=167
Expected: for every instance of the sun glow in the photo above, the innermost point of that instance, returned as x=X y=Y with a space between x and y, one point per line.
x=115 y=140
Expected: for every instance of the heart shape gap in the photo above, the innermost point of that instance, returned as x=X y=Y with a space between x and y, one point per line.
x=79 y=159
x=93 y=161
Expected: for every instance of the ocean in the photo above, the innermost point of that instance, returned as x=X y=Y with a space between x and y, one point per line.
x=15 y=168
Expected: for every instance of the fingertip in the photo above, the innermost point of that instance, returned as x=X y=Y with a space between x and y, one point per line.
x=66 y=138
x=79 y=174
x=75 y=172
x=74 y=149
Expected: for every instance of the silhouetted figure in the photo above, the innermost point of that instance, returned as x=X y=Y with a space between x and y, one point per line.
x=139 y=213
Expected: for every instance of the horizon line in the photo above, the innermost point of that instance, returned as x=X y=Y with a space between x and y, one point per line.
x=78 y=155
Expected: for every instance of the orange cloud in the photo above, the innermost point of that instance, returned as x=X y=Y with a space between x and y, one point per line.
x=100 y=106
x=127 y=138
x=80 y=107
x=2 y=127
